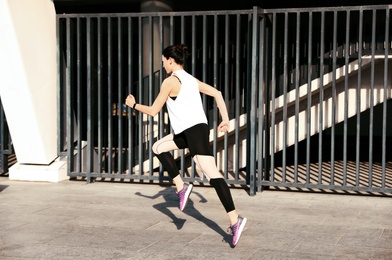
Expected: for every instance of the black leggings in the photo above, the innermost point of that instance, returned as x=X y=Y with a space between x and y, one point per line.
x=196 y=138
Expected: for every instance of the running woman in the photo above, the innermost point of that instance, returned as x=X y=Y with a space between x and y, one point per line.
x=181 y=93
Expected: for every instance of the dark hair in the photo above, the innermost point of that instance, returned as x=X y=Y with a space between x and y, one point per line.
x=178 y=52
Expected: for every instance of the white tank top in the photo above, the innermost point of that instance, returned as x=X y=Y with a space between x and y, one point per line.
x=187 y=109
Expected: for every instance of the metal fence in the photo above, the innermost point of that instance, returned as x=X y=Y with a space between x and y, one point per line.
x=102 y=58
x=283 y=74
x=322 y=99
x=7 y=157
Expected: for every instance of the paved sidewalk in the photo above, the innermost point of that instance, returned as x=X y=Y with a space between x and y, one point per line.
x=105 y=220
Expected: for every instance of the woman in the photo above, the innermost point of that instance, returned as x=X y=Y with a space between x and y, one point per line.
x=181 y=93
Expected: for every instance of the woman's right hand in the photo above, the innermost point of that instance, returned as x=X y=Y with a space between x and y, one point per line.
x=130 y=100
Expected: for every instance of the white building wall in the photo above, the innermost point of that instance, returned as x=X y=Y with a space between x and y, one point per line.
x=28 y=77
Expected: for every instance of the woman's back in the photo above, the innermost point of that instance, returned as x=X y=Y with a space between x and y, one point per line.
x=186 y=110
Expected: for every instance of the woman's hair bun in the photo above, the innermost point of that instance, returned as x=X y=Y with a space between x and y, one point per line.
x=178 y=52
x=183 y=48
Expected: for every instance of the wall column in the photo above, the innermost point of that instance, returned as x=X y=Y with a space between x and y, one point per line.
x=154 y=6
x=28 y=78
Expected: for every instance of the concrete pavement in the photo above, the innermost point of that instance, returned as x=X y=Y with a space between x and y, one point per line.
x=107 y=220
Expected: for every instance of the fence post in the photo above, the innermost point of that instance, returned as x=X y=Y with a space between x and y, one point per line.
x=3 y=155
x=252 y=131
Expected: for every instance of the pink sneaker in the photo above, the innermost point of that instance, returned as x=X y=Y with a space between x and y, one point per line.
x=237 y=229
x=183 y=195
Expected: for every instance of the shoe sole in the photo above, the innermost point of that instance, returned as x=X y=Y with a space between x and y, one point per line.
x=187 y=194
x=244 y=220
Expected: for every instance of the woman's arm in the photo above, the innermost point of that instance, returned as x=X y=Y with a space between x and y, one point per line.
x=156 y=106
x=220 y=102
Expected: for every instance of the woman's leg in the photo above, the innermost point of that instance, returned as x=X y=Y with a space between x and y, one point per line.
x=200 y=149
x=207 y=165
x=199 y=146
x=161 y=149
x=237 y=224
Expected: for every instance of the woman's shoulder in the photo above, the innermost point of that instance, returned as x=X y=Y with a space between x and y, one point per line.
x=170 y=82
x=171 y=79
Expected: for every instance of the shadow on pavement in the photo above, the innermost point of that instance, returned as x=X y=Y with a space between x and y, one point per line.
x=3 y=187
x=190 y=210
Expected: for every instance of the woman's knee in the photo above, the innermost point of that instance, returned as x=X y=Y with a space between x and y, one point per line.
x=160 y=146
x=155 y=147
x=164 y=145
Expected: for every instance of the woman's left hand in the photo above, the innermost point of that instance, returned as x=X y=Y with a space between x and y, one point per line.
x=223 y=126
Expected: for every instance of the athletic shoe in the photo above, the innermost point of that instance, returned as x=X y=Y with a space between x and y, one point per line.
x=183 y=195
x=237 y=229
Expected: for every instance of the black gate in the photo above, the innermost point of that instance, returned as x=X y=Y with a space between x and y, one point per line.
x=102 y=58
x=308 y=92
x=324 y=97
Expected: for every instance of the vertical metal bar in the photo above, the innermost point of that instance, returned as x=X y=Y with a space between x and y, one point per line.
x=79 y=96
x=261 y=110
x=120 y=99
x=371 y=123
x=359 y=87
x=309 y=97
x=69 y=113
x=253 y=93
x=273 y=96
x=172 y=37
x=182 y=152
x=285 y=85
x=267 y=101
x=215 y=84
x=140 y=92
x=161 y=113
x=333 y=97
x=297 y=71
x=131 y=122
x=150 y=96
x=193 y=43
x=346 y=78
x=384 y=114
x=110 y=102
x=237 y=98
x=194 y=53
x=248 y=91
x=171 y=29
x=204 y=73
x=321 y=99
x=204 y=67
x=99 y=94
x=226 y=88
x=89 y=97
x=182 y=29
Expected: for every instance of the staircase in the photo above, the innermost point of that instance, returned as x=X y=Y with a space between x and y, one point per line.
x=316 y=125
x=363 y=95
